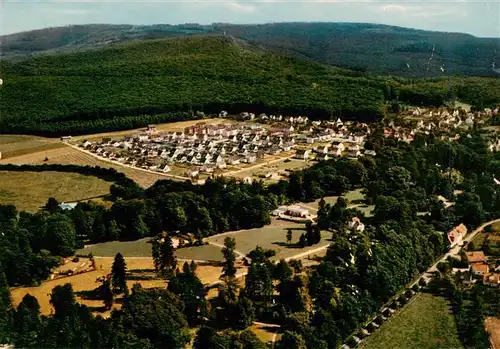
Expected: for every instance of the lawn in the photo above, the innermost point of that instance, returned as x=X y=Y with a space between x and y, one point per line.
x=201 y=253
x=138 y=248
x=425 y=323
x=271 y=237
x=28 y=191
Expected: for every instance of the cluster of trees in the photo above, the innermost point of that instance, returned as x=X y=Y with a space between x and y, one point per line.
x=326 y=178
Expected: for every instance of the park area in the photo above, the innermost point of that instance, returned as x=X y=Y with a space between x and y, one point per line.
x=356 y=199
x=427 y=322
x=272 y=237
x=29 y=191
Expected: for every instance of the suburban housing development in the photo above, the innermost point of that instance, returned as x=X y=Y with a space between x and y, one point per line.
x=204 y=148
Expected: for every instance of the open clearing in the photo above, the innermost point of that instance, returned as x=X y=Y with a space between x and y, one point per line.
x=425 y=323
x=265 y=333
x=16 y=145
x=271 y=237
x=137 y=248
x=87 y=282
x=356 y=200
x=66 y=155
x=493 y=327
x=203 y=253
x=28 y=191
x=142 y=248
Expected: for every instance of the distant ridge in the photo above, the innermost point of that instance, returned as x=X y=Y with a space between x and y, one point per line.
x=380 y=49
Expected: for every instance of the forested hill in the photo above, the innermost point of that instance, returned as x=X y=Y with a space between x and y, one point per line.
x=170 y=79
x=135 y=83
x=374 y=48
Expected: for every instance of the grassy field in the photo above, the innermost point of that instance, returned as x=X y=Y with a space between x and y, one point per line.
x=203 y=253
x=17 y=145
x=30 y=190
x=66 y=155
x=495 y=227
x=355 y=198
x=426 y=323
x=271 y=237
x=142 y=248
x=138 y=248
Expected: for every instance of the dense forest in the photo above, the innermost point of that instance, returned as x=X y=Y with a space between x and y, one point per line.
x=361 y=270
x=373 y=48
x=137 y=83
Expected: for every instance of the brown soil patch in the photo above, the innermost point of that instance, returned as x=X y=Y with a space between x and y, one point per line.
x=492 y=325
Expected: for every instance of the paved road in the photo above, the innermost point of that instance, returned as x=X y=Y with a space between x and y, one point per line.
x=126 y=165
x=455 y=250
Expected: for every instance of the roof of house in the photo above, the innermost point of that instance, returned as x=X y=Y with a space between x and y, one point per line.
x=493 y=278
x=480 y=268
x=68 y=206
x=476 y=257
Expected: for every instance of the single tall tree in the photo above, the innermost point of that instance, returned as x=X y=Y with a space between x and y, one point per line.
x=107 y=294
x=155 y=251
x=5 y=310
x=228 y=268
x=118 y=274
x=27 y=322
x=191 y=291
x=167 y=253
x=289 y=236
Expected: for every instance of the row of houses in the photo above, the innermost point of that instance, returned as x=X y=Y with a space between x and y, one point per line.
x=333 y=151
x=208 y=146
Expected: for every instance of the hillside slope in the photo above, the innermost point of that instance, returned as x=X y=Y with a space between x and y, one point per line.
x=159 y=80
x=374 y=48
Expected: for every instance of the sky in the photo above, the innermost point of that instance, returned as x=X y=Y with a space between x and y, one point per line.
x=476 y=17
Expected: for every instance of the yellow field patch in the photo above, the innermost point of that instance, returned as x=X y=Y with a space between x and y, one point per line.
x=16 y=145
x=29 y=191
x=87 y=282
